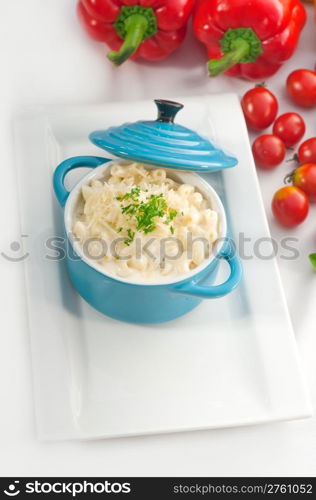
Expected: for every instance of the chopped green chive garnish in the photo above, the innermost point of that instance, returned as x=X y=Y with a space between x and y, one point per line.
x=156 y=206
x=130 y=209
x=130 y=238
x=145 y=212
x=172 y=214
x=133 y=195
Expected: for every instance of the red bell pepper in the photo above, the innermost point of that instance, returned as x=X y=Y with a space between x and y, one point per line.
x=151 y=29
x=248 y=38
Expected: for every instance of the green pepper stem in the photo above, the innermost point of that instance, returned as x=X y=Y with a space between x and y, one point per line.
x=240 y=50
x=136 y=26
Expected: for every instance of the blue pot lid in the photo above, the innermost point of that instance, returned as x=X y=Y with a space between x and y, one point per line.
x=163 y=143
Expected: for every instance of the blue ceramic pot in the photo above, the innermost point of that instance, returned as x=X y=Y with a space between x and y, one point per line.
x=134 y=302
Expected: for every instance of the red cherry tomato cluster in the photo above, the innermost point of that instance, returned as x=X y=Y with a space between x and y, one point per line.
x=260 y=107
x=290 y=204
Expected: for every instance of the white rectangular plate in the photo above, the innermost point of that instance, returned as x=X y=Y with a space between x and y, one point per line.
x=232 y=361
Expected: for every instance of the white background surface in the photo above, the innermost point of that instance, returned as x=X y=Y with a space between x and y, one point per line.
x=46 y=58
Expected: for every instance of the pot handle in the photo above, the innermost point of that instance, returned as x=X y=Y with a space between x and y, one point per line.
x=65 y=167
x=212 y=292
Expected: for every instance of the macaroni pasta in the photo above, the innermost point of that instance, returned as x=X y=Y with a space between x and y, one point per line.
x=141 y=225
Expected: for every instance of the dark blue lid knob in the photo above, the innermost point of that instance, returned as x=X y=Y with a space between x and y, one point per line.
x=167 y=110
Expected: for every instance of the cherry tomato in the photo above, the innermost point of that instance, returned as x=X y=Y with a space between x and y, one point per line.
x=268 y=151
x=290 y=127
x=301 y=87
x=304 y=178
x=260 y=108
x=290 y=206
x=307 y=151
